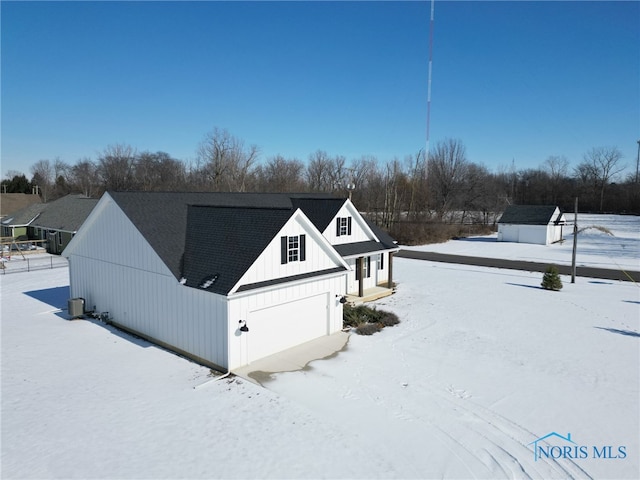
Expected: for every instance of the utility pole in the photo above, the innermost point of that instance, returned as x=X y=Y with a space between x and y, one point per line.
x=575 y=243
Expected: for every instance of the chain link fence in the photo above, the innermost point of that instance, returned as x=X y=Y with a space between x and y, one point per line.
x=16 y=263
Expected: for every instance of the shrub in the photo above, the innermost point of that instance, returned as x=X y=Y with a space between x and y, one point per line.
x=389 y=319
x=551 y=279
x=366 y=320
x=419 y=233
x=368 y=328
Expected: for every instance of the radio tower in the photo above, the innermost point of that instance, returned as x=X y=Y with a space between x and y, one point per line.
x=426 y=154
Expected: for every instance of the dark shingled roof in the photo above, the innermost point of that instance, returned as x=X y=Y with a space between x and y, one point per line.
x=67 y=213
x=359 y=248
x=25 y=215
x=383 y=236
x=11 y=203
x=211 y=239
x=223 y=242
x=161 y=217
x=277 y=281
x=320 y=209
x=247 y=223
x=529 y=215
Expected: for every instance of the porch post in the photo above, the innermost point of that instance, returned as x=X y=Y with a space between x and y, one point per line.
x=360 y=266
x=390 y=279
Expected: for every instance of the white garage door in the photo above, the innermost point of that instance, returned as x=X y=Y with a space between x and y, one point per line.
x=286 y=325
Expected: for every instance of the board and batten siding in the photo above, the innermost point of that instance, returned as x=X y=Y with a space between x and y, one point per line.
x=376 y=276
x=318 y=255
x=360 y=232
x=114 y=269
x=241 y=307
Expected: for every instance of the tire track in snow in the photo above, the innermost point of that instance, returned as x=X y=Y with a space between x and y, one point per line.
x=501 y=429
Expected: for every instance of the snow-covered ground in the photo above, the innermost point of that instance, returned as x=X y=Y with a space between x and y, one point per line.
x=595 y=247
x=483 y=363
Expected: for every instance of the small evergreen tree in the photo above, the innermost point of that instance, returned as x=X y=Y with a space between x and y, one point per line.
x=551 y=279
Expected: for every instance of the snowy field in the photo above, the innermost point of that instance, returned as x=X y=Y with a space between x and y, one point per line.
x=482 y=365
x=595 y=248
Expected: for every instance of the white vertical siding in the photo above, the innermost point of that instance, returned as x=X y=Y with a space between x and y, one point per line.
x=115 y=239
x=319 y=256
x=113 y=268
x=154 y=305
x=241 y=308
x=360 y=232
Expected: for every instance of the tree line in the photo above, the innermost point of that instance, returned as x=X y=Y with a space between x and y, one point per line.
x=445 y=187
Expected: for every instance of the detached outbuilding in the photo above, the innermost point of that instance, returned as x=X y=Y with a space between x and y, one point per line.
x=226 y=278
x=538 y=224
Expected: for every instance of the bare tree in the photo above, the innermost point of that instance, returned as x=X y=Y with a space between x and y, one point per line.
x=600 y=165
x=394 y=187
x=84 y=177
x=418 y=200
x=116 y=167
x=447 y=168
x=224 y=162
x=557 y=168
x=43 y=178
x=281 y=175
x=317 y=174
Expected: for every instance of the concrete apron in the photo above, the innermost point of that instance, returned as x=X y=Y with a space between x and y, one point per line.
x=292 y=359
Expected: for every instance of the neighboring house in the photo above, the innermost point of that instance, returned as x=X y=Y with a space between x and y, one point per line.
x=12 y=202
x=540 y=224
x=16 y=225
x=226 y=278
x=54 y=222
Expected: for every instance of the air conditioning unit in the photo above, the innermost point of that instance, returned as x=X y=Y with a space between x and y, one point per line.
x=76 y=307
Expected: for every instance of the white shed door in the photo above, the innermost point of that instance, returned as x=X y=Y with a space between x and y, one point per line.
x=283 y=326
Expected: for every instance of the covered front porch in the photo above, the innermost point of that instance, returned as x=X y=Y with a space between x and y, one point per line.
x=370 y=294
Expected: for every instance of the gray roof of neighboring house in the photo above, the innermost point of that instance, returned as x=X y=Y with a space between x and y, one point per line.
x=11 y=203
x=65 y=214
x=530 y=215
x=24 y=216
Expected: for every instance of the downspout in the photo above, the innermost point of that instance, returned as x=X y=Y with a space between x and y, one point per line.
x=209 y=382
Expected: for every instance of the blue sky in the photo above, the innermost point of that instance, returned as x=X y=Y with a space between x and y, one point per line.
x=515 y=81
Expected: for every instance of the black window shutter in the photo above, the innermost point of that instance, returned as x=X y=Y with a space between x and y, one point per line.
x=368 y=267
x=338 y=226
x=283 y=250
x=303 y=248
x=357 y=269
x=381 y=261
x=348 y=225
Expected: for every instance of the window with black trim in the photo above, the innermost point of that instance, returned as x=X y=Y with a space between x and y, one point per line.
x=343 y=226
x=366 y=267
x=292 y=249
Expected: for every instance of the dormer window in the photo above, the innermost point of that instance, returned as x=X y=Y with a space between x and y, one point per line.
x=343 y=226
x=292 y=249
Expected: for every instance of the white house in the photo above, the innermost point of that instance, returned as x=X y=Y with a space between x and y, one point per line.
x=540 y=224
x=226 y=278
